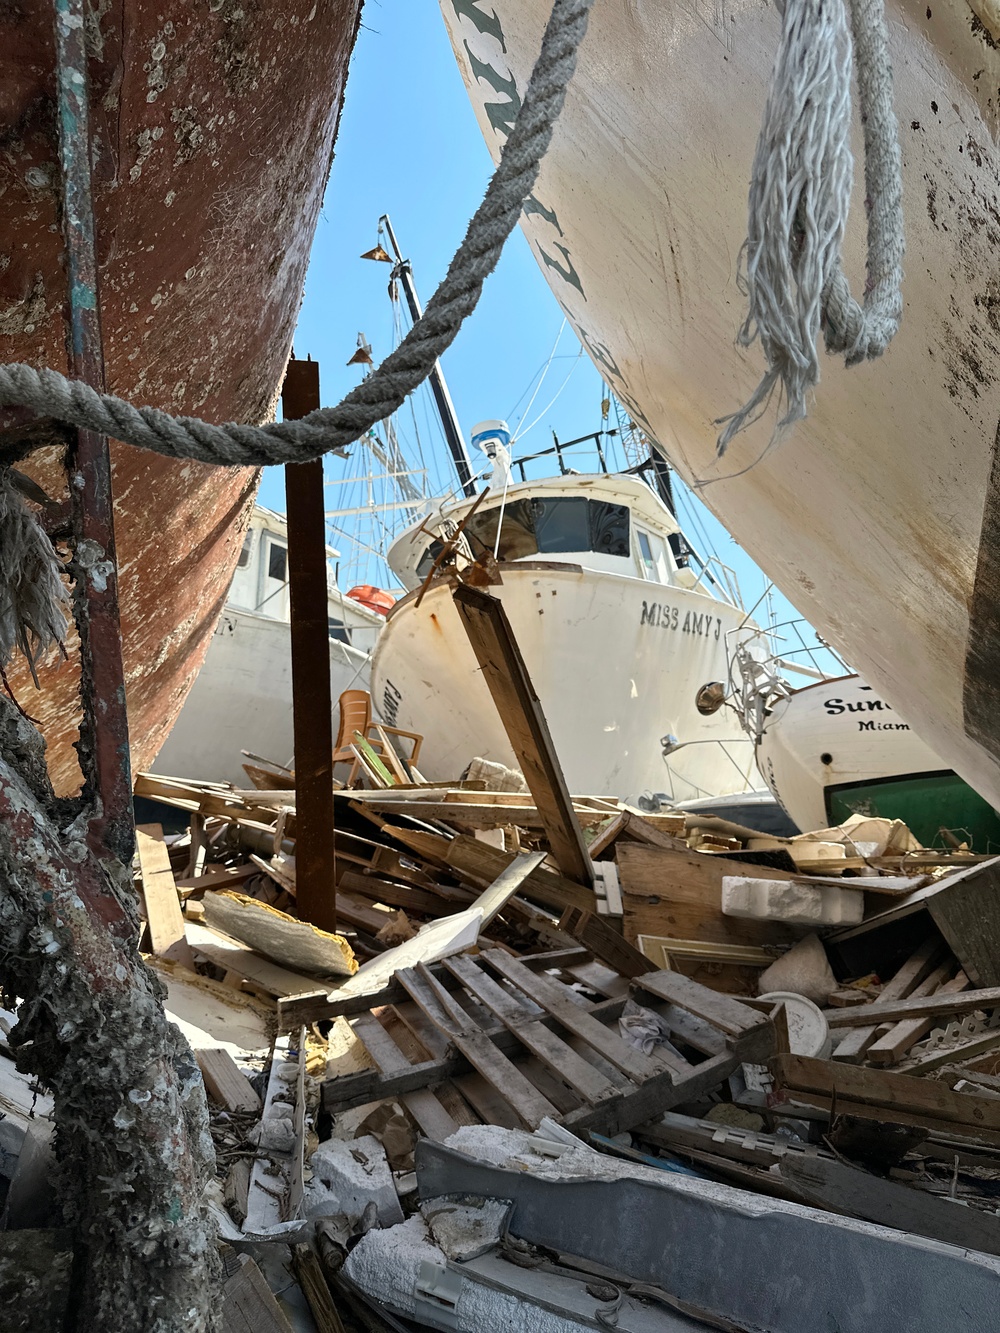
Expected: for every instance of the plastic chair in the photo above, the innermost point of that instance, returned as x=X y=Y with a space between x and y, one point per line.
x=356 y=716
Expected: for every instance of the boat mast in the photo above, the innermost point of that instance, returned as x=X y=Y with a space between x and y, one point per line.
x=403 y=273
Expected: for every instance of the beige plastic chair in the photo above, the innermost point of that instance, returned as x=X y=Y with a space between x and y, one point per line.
x=356 y=716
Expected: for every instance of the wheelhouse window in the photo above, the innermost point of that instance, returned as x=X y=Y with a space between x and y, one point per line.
x=246 y=550
x=654 y=562
x=277 y=562
x=560 y=525
x=338 y=630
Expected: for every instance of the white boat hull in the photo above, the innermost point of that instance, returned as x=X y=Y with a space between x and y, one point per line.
x=242 y=699
x=833 y=734
x=615 y=662
x=870 y=516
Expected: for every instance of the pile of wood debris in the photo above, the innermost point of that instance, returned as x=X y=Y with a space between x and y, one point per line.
x=528 y=990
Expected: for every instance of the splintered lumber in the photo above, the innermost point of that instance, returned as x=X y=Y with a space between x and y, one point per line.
x=923 y=1100
x=604 y=942
x=930 y=1006
x=482 y=864
x=309 y=1272
x=891 y=1047
x=913 y=972
x=506 y=677
x=679 y=894
x=737 y=1021
x=280 y=937
x=248 y=1304
x=163 y=908
x=408 y=896
x=235 y=957
x=843 y=1188
x=225 y=1084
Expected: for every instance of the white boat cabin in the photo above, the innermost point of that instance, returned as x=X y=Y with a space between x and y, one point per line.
x=612 y=524
x=260 y=584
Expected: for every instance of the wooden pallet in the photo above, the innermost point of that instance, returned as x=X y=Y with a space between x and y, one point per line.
x=510 y=1040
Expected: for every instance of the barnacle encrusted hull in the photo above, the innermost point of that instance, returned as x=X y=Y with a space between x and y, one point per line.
x=213 y=129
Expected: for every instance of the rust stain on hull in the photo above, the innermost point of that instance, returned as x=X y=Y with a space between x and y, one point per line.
x=213 y=134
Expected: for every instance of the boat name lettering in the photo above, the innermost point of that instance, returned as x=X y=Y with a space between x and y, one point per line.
x=882 y=726
x=835 y=706
x=391 y=699
x=668 y=617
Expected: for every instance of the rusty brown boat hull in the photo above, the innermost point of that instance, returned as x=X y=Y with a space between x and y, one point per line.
x=213 y=132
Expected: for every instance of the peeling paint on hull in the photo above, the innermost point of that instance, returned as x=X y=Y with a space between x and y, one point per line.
x=213 y=131
x=870 y=515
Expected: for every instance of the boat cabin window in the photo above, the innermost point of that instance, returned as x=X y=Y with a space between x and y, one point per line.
x=277 y=561
x=337 y=629
x=654 y=563
x=562 y=525
x=246 y=550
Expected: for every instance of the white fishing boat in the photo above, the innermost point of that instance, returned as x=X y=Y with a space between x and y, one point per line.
x=834 y=747
x=242 y=697
x=615 y=627
x=878 y=515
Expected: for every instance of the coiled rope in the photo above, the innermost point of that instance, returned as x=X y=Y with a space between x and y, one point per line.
x=332 y=428
x=799 y=200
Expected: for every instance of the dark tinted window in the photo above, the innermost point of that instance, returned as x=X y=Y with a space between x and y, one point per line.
x=560 y=526
x=245 y=550
x=277 y=562
x=608 y=528
x=338 y=630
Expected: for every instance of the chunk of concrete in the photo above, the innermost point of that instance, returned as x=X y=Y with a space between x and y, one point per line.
x=347 y=1175
x=790 y=902
x=804 y=970
x=466 y=1227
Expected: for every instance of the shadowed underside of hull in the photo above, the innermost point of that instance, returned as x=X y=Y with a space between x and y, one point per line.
x=870 y=514
x=213 y=129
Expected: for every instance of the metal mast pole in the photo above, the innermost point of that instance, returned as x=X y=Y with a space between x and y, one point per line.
x=446 y=408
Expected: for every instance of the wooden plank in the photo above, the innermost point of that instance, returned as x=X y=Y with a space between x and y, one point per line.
x=554 y=999
x=163 y=908
x=891 y=1047
x=225 y=1084
x=425 y=1108
x=961 y=1052
x=842 y=1188
x=478 y=1049
x=248 y=1304
x=876 y=1087
x=604 y=942
x=966 y=910
x=312 y=1280
x=407 y=896
x=223 y=880
x=930 y=1006
x=506 y=677
x=564 y=1062
x=679 y=894
x=481 y=815
x=233 y=956
x=480 y=864
x=606 y=875
x=913 y=972
x=722 y=1011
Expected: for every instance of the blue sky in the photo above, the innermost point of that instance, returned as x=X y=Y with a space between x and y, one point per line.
x=409 y=146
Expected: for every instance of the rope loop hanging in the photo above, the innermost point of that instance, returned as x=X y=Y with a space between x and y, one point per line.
x=799 y=200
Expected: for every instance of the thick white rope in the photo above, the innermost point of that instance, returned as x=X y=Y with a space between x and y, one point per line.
x=332 y=428
x=799 y=200
x=32 y=596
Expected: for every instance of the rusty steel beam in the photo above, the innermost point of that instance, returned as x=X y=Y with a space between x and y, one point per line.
x=103 y=745
x=315 y=883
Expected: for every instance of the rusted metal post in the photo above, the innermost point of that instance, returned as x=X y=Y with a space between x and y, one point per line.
x=315 y=886
x=103 y=745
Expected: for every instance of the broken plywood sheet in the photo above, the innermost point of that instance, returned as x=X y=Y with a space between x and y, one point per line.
x=230 y=954
x=293 y=944
x=438 y=939
x=216 y=1017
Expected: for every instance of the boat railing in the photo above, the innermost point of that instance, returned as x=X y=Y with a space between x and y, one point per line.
x=760 y=661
